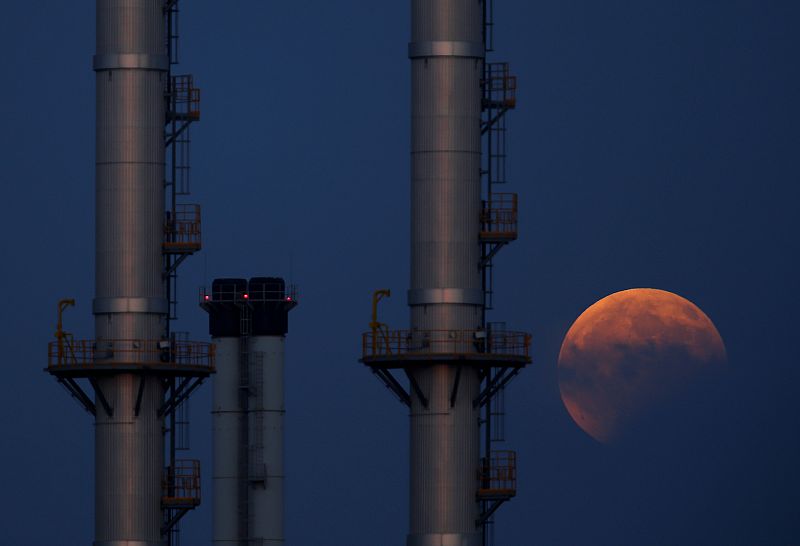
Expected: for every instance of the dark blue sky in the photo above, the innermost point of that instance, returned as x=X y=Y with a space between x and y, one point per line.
x=655 y=144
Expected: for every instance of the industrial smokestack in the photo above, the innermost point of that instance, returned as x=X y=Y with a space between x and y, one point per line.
x=130 y=304
x=446 y=53
x=138 y=372
x=248 y=323
x=453 y=360
x=225 y=329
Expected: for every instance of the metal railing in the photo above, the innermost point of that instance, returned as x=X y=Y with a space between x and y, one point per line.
x=499 y=217
x=233 y=294
x=181 y=485
x=500 y=86
x=416 y=343
x=498 y=474
x=182 y=230
x=94 y=353
x=185 y=96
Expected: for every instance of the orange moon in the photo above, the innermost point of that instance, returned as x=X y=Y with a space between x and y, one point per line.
x=632 y=353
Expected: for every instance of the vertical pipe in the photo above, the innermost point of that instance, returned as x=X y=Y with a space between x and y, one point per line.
x=267 y=415
x=266 y=406
x=225 y=422
x=225 y=327
x=248 y=409
x=446 y=52
x=130 y=303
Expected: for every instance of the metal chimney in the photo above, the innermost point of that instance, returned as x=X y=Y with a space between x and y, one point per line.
x=248 y=322
x=139 y=372
x=454 y=360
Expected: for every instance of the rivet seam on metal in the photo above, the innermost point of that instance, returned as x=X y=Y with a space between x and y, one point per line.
x=144 y=61
x=156 y=306
x=446 y=48
x=426 y=296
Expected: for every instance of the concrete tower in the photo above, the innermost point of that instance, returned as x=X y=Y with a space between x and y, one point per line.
x=450 y=355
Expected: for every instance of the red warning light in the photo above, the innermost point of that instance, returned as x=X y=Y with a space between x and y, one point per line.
x=245 y=296
x=288 y=298
x=206 y=297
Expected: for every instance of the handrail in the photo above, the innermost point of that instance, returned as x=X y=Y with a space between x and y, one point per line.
x=502 y=86
x=499 y=215
x=183 y=228
x=234 y=295
x=181 y=485
x=499 y=473
x=186 y=97
x=92 y=353
x=405 y=343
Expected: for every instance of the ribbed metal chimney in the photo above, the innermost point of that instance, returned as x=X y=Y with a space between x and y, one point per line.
x=130 y=303
x=138 y=372
x=446 y=52
x=454 y=361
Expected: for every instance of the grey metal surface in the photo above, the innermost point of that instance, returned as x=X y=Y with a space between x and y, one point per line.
x=130 y=305
x=445 y=171
x=265 y=475
x=225 y=422
x=267 y=414
x=129 y=223
x=445 y=254
x=128 y=461
x=446 y=49
x=426 y=296
x=445 y=539
x=130 y=60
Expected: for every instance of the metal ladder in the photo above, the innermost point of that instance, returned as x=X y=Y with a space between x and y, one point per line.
x=177 y=141
x=493 y=172
x=257 y=470
x=243 y=457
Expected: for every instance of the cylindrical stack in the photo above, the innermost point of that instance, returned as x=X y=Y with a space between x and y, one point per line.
x=446 y=52
x=248 y=324
x=270 y=316
x=130 y=304
x=227 y=415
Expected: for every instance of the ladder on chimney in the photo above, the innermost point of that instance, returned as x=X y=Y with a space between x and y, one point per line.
x=498 y=228
x=181 y=229
x=243 y=449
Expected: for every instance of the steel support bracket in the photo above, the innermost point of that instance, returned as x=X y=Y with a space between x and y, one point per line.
x=493 y=385
x=454 y=392
x=99 y=392
x=495 y=248
x=170 y=138
x=173 y=266
x=75 y=390
x=139 y=395
x=176 y=517
x=490 y=123
x=186 y=388
x=484 y=517
x=417 y=390
x=391 y=383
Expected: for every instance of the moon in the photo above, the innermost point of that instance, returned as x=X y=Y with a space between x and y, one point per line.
x=631 y=354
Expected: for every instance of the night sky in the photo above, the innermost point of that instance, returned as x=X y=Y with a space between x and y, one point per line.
x=655 y=144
